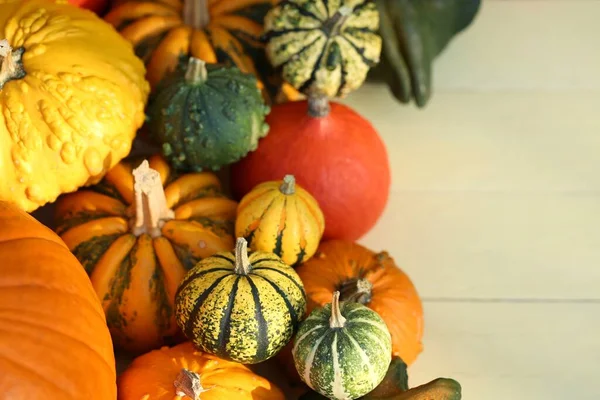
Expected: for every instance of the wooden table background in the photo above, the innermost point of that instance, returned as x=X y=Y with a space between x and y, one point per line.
x=495 y=203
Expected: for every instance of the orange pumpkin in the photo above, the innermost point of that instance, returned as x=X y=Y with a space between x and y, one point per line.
x=179 y=371
x=372 y=279
x=137 y=233
x=54 y=343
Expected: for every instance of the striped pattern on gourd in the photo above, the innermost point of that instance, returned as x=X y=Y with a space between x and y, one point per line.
x=324 y=46
x=342 y=350
x=240 y=307
x=281 y=218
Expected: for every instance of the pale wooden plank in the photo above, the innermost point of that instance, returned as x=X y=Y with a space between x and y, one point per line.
x=494 y=245
x=527 y=44
x=513 y=351
x=489 y=141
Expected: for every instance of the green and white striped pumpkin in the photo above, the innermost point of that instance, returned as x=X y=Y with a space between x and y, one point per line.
x=324 y=47
x=342 y=350
x=240 y=307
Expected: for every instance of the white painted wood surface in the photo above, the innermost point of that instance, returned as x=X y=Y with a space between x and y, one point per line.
x=495 y=203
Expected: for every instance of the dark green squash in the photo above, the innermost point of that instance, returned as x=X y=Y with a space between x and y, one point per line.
x=395 y=387
x=414 y=33
x=342 y=350
x=240 y=307
x=321 y=46
x=206 y=116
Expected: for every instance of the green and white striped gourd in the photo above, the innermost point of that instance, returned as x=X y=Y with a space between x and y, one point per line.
x=323 y=47
x=240 y=307
x=342 y=350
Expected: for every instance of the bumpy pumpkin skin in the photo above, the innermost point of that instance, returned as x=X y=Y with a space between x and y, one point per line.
x=323 y=46
x=73 y=109
x=281 y=217
x=54 y=342
x=342 y=350
x=207 y=116
x=136 y=274
x=240 y=307
x=338 y=265
x=152 y=375
x=216 y=31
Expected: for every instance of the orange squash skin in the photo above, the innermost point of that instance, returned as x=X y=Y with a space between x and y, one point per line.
x=152 y=375
x=226 y=31
x=393 y=296
x=136 y=275
x=54 y=343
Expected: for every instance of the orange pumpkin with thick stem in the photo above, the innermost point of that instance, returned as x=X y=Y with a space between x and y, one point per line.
x=372 y=279
x=223 y=31
x=137 y=234
x=54 y=343
x=182 y=372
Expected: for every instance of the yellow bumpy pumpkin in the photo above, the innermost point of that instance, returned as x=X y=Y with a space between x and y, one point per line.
x=72 y=96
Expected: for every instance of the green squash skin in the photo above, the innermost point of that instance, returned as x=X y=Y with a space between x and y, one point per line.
x=362 y=355
x=210 y=124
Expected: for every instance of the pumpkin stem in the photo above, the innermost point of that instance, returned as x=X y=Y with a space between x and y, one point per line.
x=333 y=25
x=195 y=13
x=151 y=210
x=336 y=320
x=318 y=105
x=356 y=290
x=10 y=63
x=242 y=263
x=196 y=71
x=188 y=384
x=288 y=186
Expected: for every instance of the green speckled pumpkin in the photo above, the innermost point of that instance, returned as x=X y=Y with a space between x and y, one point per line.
x=324 y=47
x=342 y=350
x=207 y=116
x=240 y=307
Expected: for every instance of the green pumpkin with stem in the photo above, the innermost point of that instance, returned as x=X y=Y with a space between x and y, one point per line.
x=206 y=116
x=342 y=350
x=238 y=306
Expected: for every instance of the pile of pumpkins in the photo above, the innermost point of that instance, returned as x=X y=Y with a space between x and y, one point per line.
x=149 y=254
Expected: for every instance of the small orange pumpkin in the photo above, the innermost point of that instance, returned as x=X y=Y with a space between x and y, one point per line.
x=372 y=279
x=182 y=372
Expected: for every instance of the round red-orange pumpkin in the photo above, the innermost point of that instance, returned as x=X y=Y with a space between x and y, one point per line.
x=97 y=6
x=334 y=153
x=372 y=279
x=54 y=342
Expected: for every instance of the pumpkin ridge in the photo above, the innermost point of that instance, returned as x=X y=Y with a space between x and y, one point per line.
x=291 y=278
x=90 y=250
x=189 y=326
x=262 y=339
x=30 y=370
x=65 y=336
x=359 y=51
x=301 y=10
x=294 y=316
x=194 y=275
x=281 y=229
x=225 y=323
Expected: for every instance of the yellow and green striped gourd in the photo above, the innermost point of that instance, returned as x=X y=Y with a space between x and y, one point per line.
x=241 y=307
x=342 y=350
x=323 y=47
x=283 y=218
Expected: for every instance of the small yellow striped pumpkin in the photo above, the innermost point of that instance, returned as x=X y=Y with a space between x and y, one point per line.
x=240 y=307
x=323 y=47
x=282 y=218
